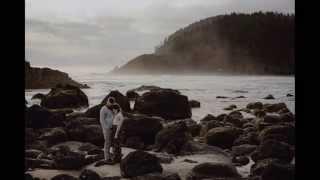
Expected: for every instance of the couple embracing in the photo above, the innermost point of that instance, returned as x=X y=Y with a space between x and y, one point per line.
x=111 y=119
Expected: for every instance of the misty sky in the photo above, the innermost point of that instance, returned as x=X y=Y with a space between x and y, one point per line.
x=97 y=35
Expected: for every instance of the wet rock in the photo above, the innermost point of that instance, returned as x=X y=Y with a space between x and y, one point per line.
x=88 y=147
x=158 y=176
x=32 y=153
x=153 y=88
x=235 y=118
x=54 y=136
x=207 y=118
x=238 y=97
x=94 y=111
x=77 y=130
x=88 y=174
x=247 y=138
x=222 y=136
x=277 y=171
x=221 y=117
x=271 y=119
x=66 y=159
x=240 y=160
x=64 y=177
x=259 y=113
x=172 y=138
x=93 y=158
x=28 y=176
x=112 y=178
x=122 y=100
x=243 y=149
x=193 y=127
x=139 y=163
x=221 y=97
x=231 y=107
x=212 y=170
x=39 y=163
x=269 y=97
x=283 y=111
x=38 y=117
x=287 y=117
x=271 y=108
x=30 y=135
x=261 y=166
x=65 y=96
x=255 y=105
x=134 y=142
x=140 y=130
x=194 y=104
x=273 y=149
x=38 y=96
x=285 y=133
x=166 y=104
x=164 y=158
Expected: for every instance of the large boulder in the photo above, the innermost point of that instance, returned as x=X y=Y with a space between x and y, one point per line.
x=142 y=127
x=212 y=171
x=277 y=171
x=122 y=100
x=272 y=169
x=54 y=135
x=38 y=96
x=273 y=149
x=243 y=149
x=39 y=117
x=64 y=177
x=164 y=103
x=285 y=133
x=88 y=174
x=66 y=159
x=271 y=108
x=172 y=138
x=194 y=104
x=193 y=127
x=255 y=105
x=222 y=136
x=158 y=176
x=138 y=163
x=235 y=118
x=94 y=111
x=79 y=131
x=65 y=96
x=247 y=138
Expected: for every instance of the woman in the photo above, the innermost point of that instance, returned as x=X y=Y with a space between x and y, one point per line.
x=115 y=133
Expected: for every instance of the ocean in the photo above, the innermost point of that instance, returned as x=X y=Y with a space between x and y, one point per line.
x=203 y=88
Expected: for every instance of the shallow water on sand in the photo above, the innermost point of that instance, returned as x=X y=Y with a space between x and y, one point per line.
x=201 y=88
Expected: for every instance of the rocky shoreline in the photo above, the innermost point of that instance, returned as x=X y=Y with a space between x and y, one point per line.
x=160 y=140
x=44 y=78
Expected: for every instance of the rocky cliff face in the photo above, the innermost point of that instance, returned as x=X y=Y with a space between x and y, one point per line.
x=45 y=78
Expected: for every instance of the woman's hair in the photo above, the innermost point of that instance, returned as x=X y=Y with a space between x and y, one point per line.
x=116 y=107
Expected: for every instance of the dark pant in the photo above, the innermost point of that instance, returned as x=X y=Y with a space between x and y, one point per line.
x=115 y=143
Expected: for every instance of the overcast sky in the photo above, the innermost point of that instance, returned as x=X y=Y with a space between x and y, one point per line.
x=97 y=35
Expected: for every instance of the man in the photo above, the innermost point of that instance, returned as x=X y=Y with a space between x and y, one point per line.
x=106 y=121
